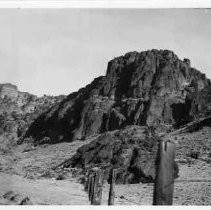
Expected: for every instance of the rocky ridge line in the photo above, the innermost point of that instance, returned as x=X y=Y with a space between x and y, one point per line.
x=153 y=88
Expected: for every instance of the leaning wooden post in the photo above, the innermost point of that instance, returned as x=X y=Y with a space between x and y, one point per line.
x=97 y=188
x=164 y=181
x=111 y=191
x=91 y=186
x=87 y=182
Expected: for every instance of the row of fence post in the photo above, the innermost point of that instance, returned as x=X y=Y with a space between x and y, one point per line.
x=94 y=186
x=164 y=180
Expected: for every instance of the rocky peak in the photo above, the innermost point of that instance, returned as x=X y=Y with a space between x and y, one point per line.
x=8 y=90
x=136 y=75
x=153 y=88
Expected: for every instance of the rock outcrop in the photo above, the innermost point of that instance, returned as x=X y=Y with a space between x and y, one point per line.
x=19 y=109
x=14 y=198
x=131 y=150
x=153 y=88
x=8 y=90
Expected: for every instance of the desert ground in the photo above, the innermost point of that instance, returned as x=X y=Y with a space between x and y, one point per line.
x=27 y=171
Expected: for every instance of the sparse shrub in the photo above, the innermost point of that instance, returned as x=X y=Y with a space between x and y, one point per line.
x=60 y=177
x=190 y=161
x=194 y=154
x=82 y=180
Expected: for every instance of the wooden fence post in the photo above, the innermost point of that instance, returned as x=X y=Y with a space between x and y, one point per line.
x=111 y=190
x=97 y=188
x=91 y=186
x=87 y=182
x=164 y=181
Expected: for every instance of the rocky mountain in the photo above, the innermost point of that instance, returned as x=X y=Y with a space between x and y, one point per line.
x=142 y=97
x=19 y=109
x=153 y=88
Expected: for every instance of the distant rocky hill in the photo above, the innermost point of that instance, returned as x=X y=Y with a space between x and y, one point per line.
x=19 y=109
x=153 y=88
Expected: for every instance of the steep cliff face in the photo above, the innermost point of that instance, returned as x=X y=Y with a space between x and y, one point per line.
x=153 y=88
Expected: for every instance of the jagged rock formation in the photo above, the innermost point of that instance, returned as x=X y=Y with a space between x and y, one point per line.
x=132 y=150
x=19 y=109
x=153 y=88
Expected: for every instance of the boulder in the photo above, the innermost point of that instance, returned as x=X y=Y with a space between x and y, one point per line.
x=26 y=201
x=16 y=198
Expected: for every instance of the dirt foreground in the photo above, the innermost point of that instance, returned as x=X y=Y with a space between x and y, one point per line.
x=22 y=170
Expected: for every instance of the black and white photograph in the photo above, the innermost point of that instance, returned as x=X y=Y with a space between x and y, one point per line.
x=104 y=105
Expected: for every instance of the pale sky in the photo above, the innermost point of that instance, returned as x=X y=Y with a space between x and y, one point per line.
x=58 y=51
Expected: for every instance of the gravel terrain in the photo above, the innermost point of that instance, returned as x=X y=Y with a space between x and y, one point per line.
x=27 y=171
